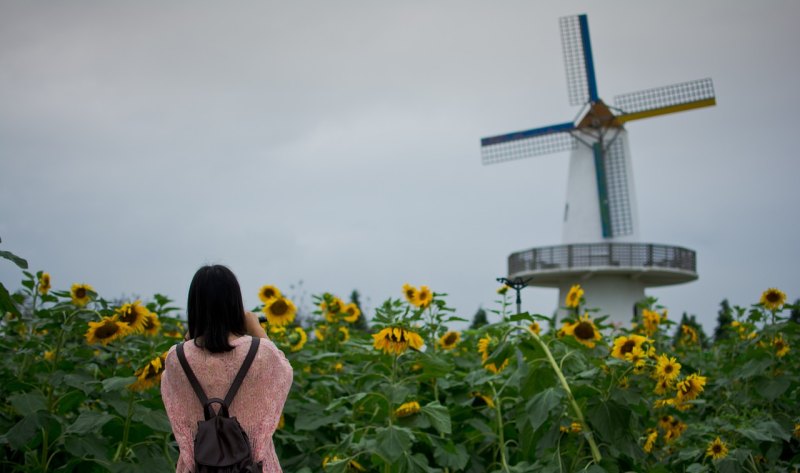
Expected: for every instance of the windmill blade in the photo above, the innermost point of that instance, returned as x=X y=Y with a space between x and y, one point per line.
x=578 y=61
x=523 y=144
x=663 y=100
x=619 y=203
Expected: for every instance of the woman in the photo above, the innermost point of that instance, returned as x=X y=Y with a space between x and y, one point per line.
x=220 y=335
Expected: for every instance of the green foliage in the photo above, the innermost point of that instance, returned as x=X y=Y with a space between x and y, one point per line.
x=552 y=403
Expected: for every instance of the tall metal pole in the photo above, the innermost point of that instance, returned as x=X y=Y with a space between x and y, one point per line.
x=517 y=284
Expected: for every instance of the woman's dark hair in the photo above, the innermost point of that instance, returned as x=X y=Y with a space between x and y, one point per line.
x=215 y=309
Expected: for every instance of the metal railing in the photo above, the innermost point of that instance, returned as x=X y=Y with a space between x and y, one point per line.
x=591 y=255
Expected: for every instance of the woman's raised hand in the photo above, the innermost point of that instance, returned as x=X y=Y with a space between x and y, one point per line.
x=252 y=327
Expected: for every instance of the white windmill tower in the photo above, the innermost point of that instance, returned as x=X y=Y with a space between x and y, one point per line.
x=600 y=242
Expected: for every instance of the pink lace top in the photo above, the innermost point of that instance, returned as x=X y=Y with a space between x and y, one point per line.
x=257 y=405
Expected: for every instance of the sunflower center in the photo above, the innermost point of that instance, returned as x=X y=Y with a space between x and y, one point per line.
x=107 y=330
x=668 y=369
x=584 y=330
x=268 y=293
x=779 y=344
x=410 y=293
x=773 y=297
x=129 y=315
x=279 y=307
x=627 y=347
x=450 y=338
x=716 y=448
x=148 y=323
x=80 y=293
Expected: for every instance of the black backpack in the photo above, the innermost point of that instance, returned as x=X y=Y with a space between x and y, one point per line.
x=221 y=445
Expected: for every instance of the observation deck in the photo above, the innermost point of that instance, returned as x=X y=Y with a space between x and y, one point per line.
x=650 y=264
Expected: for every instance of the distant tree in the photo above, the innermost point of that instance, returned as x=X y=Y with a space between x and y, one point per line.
x=361 y=323
x=479 y=319
x=795 y=314
x=724 y=319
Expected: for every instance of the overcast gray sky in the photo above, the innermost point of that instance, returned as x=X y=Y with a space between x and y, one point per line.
x=337 y=143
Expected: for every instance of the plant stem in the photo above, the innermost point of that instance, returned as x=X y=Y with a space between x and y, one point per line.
x=124 y=444
x=500 y=428
x=578 y=413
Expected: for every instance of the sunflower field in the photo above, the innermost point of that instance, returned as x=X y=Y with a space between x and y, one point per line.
x=79 y=377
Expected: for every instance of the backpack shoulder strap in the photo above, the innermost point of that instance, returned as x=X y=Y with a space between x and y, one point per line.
x=237 y=382
x=190 y=374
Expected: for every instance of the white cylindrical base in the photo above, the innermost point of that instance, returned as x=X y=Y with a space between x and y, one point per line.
x=615 y=296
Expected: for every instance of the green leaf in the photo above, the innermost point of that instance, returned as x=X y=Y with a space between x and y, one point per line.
x=773 y=388
x=70 y=401
x=418 y=463
x=314 y=420
x=542 y=404
x=155 y=419
x=14 y=259
x=524 y=316
x=609 y=419
x=118 y=383
x=450 y=455
x=90 y=446
x=28 y=403
x=23 y=431
x=6 y=302
x=392 y=442
x=89 y=421
x=439 y=417
x=696 y=468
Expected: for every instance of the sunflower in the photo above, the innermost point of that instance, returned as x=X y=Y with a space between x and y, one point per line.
x=665 y=422
x=297 y=338
x=81 y=294
x=689 y=333
x=319 y=332
x=344 y=334
x=410 y=292
x=49 y=355
x=690 y=388
x=480 y=400
x=624 y=345
x=674 y=430
x=796 y=431
x=574 y=428
x=662 y=386
x=106 y=331
x=149 y=375
x=424 y=297
x=651 y=320
x=396 y=340
x=407 y=409
x=331 y=306
x=502 y=290
x=352 y=311
x=717 y=449
x=268 y=292
x=535 y=328
x=280 y=311
x=486 y=346
x=638 y=357
x=773 y=299
x=667 y=368
x=44 y=283
x=574 y=296
x=281 y=422
x=151 y=324
x=449 y=340
x=651 y=441
x=134 y=314
x=781 y=347
x=583 y=330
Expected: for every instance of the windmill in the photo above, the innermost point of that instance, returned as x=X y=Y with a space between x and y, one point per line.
x=600 y=237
